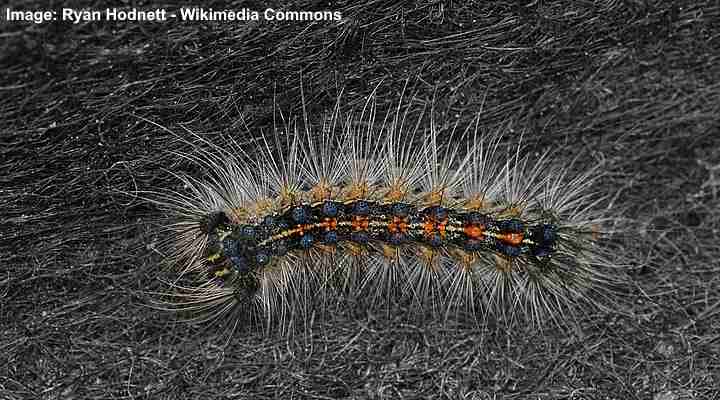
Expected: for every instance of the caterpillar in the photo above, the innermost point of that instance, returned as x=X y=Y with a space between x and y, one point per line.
x=386 y=212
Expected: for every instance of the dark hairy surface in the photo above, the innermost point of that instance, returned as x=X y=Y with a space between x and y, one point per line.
x=635 y=83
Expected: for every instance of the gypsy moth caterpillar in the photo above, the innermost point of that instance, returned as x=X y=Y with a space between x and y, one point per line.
x=384 y=210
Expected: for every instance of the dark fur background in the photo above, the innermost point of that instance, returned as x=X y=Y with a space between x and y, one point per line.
x=632 y=82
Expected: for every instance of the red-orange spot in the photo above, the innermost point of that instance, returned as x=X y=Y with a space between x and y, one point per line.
x=397 y=225
x=429 y=227
x=403 y=225
x=392 y=228
x=441 y=228
x=360 y=223
x=330 y=224
x=474 y=231
x=512 y=238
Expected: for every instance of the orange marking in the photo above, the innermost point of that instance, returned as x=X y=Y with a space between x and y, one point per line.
x=441 y=228
x=478 y=202
x=403 y=226
x=429 y=227
x=392 y=228
x=514 y=239
x=435 y=196
x=357 y=190
x=395 y=194
x=474 y=231
x=321 y=191
x=503 y=264
x=398 y=225
x=389 y=252
x=330 y=224
x=360 y=223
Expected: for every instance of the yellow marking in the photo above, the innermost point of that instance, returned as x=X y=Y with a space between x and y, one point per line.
x=280 y=235
x=357 y=191
x=396 y=192
x=237 y=215
x=478 y=202
x=321 y=191
x=355 y=249
x=389 y=251
x=513 y=211
x=263 y=206
x=222 y=272
x=466 y=260
x=435 y=196
x=497 y=235
x=493 y=234
x=213 y=257
x=503 y=264
x=289 y=196
x=326 y=248
x=429 y=256
x=291 y=232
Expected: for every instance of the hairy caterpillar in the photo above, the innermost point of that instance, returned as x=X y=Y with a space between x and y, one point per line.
x=382 y=212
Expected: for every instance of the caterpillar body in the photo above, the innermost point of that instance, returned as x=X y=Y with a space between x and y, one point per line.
x=383 y=213
x=249 y=247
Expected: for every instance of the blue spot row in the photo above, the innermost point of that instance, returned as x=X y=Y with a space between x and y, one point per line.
x=330 y=209
x=511 y=225
x=472 y=245
x=476 y=218
x=401 y=210
x=541 y=251
x=262 y=258
x=435 y=240
x=436 y=212
x=331 y=237
x=359 y=237
x=299 y=215
x=306 y=241
x=230 y=247
x=361 y=207
x=240 y=264
x=397 y=238
x=508 y=250
x=248 y=232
